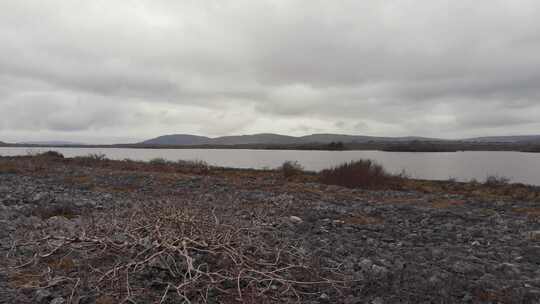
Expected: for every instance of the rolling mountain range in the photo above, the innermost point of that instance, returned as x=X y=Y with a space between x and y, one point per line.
x=506 y=139
x=284 y=140
x=277 y=139
x=52 y=143
x=269 y=139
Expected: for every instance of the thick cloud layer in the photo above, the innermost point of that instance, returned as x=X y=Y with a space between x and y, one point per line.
x=125 y=70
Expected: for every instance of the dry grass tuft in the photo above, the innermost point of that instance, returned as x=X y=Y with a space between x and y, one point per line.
x=78 y=180
x=495 y=296
x=24 y=279
x=361 y=219
x=65 y=264
x=291 y=169
x=7 y=167
x=444 y=204
x=531 y=212
x=106 y=300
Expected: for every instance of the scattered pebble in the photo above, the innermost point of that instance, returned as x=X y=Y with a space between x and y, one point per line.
x=393 y=241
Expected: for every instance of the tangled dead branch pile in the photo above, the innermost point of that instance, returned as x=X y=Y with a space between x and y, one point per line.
x=167 y=252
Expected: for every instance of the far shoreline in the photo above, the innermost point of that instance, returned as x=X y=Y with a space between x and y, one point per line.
x=413 y=147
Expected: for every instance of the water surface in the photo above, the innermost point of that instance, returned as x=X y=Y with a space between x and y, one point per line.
x=518 y=166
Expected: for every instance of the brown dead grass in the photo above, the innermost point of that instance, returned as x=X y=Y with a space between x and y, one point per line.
x=303 y=188
x=479 y=191
x=361 y=219
x=531 y=212
x=24 y=279
x=444 y=204
x=168 y=178
x=403 y=201
x=156 y=165
x=500 y=296
x=115 y=189
x=65 y=264
x=106 y=300
x=8 y=168
x=373 y=175
x=78 y=180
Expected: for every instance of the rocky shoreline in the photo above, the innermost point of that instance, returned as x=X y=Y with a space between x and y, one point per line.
x=76 y=232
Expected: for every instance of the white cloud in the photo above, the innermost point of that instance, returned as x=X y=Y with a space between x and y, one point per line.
x=133 y=69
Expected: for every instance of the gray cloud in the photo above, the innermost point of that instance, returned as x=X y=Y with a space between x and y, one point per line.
x=104 y=70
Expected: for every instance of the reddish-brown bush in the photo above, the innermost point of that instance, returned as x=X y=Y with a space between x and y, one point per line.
x=357 y=174
x=51 y=154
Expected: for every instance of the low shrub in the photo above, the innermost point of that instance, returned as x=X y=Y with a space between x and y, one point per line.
x=192 y=166
x=199 y=166
x=496 y=181
x=357 y=174
x=291 y=168
x=159 y=161
x=92 y=159
x=97 y=156
x=50 y=154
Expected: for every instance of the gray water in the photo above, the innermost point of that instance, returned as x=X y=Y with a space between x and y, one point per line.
x=464 y=166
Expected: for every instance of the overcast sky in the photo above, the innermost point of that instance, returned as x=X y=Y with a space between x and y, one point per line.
x=117 y=71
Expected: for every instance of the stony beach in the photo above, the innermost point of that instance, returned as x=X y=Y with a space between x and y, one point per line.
x=99 y=231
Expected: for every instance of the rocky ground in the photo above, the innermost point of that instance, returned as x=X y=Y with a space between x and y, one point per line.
x=74 y=233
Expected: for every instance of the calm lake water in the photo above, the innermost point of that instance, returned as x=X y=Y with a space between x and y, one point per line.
x=519 y=167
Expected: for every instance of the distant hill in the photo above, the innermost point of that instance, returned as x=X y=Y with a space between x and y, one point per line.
x=506 y=139
x=528 y=143
x=52 y=143
x=328 y=138
x=177 y=139
x=264 y=138
x=304 y=141
x=272 y=139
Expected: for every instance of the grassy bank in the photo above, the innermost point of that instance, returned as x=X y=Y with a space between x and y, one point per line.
x=361 y=174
